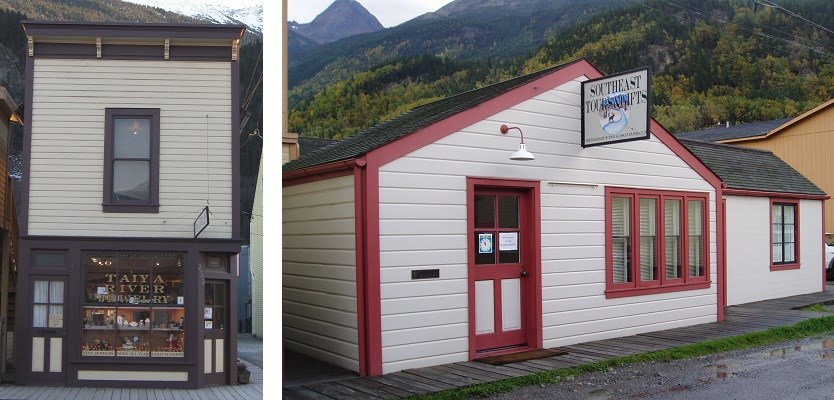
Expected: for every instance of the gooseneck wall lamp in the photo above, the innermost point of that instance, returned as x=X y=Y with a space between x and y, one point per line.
x=522 y=154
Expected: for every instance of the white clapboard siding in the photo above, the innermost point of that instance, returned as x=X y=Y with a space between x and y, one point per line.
x=319 y=271
x=66 y=173
x=423 y=225
x=749 y=247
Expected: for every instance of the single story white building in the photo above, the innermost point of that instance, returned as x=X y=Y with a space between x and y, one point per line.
x=418 y=242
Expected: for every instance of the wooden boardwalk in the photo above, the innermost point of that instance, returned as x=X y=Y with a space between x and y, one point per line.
x=741 y=319
x=250 y=391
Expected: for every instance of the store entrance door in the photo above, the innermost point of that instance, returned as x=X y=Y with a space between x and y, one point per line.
x=48 y=331
x=215 y=320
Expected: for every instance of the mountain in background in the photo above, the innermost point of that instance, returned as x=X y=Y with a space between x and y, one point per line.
x=493 y=30
x=343 y=18
x=251 y=16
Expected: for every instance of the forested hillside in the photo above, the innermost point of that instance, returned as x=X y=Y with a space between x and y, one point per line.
x=712 y=61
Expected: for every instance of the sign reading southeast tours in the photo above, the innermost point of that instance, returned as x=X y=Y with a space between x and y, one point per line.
x=616 y=108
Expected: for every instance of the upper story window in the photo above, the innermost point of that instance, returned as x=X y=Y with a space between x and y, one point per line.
x=656 y=241
x=784 y=234
x=131 y=169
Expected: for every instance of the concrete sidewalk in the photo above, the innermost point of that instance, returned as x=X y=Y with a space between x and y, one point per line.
x=740 y=319
x=250 y=391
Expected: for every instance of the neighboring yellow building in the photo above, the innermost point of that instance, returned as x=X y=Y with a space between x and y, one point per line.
x=806 y=143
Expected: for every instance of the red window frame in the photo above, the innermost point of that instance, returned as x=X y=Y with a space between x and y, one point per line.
x=795 y=264
x=662 y=284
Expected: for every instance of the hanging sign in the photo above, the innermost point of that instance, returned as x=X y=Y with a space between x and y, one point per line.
x=201 y=222
x=616 y=108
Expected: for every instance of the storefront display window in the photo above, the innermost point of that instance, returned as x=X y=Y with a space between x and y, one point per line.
x=133 y=305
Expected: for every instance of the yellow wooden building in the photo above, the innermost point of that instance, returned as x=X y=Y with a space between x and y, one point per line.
x=806 y=143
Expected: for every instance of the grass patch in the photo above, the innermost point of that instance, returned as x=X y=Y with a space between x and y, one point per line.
x=771 y=336
x=817 y=307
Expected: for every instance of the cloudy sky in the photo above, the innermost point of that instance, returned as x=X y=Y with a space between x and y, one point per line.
x=388 y=12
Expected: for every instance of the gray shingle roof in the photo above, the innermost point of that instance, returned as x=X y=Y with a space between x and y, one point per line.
x=721 y=132
x=751 y=169
x=308 y=144
x=410 y=122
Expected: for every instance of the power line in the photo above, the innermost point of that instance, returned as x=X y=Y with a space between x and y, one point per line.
x=726 y=22
x=793 y=14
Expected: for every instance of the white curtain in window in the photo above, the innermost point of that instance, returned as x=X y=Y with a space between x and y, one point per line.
x=672 y=222
x=695 y=221
x=648 y=239
x=56 y=292
x=621 y=232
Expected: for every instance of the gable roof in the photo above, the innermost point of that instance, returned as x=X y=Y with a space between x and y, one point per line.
x=410 y=122
x=740 y=131
x=744 y=168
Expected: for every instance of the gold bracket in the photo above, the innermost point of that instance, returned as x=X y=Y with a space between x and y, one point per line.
x=167 y=48
x=30 y=43
x=98 y=47
x=235 y=49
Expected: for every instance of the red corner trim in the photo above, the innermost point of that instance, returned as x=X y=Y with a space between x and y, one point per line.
x=441 y=129
x=721 y=259
x=370 y=295
x=824 y=265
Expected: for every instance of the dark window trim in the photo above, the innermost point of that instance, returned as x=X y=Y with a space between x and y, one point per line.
x=789 y=265
x=108 y=205
x=661 y=285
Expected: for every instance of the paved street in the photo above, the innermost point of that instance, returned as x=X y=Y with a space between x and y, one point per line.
x=802 y=370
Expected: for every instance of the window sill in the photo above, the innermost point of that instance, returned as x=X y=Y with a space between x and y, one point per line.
x=125 y=208
x=617 y=293
x=784 y=267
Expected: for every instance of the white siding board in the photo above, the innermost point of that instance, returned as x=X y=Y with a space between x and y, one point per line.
x=568 y=335
x=425 y=335
x=319 y=271
x=422 y=288
x=435 y=242
x=69 y=100
x=403 y=274
x=424 y=349
x=424 y=319
x=426 y=304
x=337 y=317
x=419 y=258
x=349 y=362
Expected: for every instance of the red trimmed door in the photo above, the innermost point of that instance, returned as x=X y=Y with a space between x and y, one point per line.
x=500 y=267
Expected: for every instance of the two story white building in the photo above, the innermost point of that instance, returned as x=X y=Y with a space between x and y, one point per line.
x=129 y=223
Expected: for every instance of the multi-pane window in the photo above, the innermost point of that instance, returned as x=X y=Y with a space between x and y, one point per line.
x=784 y=234
x=660 y=243
x=131 y=160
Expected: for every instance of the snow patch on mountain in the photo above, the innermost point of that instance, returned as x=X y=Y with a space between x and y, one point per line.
x=251 y=16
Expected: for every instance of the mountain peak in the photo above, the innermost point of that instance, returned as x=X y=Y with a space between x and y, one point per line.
x=341 y=19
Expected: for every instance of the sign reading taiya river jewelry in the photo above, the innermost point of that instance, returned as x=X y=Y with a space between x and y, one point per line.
x=135 y=289
x=616 y=108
